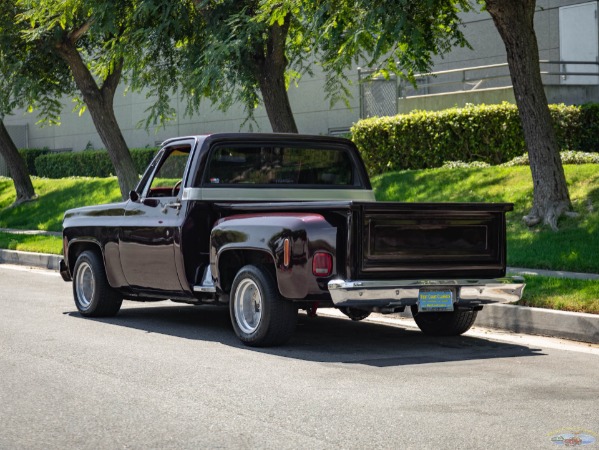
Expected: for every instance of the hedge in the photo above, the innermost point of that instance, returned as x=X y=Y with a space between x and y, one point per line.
x=29 y=155
x=486 y=133
x=87 y=163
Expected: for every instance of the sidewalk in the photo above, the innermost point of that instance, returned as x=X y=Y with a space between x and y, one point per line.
x=518 y=319
x=40 y=232
x=553 y=273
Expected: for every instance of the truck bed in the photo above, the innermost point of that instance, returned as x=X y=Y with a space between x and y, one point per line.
x=394 y=240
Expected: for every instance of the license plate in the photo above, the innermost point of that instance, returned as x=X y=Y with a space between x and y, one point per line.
x=435 y=301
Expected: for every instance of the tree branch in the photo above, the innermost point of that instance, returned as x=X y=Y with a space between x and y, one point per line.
x=75 y=35
x=83 y=78
x=113 y=79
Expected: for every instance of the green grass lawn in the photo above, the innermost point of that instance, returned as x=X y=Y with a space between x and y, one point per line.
x=573 y=248
x=55 y=197
x=561 y=293
x=31 y=243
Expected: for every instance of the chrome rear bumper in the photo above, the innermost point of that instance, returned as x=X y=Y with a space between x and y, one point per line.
x=405 y=292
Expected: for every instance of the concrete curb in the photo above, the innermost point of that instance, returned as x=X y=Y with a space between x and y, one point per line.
x=581 y=327
x=41 y=260
x=518 y=319
x=544 y=322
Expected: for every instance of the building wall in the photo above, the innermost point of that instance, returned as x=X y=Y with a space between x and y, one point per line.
x=487 y=45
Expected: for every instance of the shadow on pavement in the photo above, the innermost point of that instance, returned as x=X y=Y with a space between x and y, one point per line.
x=320 y=339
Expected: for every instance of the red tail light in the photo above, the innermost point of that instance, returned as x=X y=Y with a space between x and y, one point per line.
x=322 y=264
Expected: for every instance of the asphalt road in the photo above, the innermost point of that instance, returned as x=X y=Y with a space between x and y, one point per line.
x=163 y=375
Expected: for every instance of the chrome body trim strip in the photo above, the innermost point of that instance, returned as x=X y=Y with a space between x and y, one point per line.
x=206 y=289
x=245 y=193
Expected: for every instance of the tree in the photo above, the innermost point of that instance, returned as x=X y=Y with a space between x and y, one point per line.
x=514 y=20
x=233 y=56
x=90 y=37
x=17 y=167
x=105 y=42
x=29 y=77
x=245 y=48
x=8 y=150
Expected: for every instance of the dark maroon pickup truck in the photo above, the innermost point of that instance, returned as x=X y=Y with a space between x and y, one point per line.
x=271 y=223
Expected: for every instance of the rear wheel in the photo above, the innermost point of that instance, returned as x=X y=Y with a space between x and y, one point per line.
x=93 y=295
x=444 y=323
x=355 y=314
x=259 y=316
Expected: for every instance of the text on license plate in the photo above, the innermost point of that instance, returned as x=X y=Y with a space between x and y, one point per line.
x=435 y=301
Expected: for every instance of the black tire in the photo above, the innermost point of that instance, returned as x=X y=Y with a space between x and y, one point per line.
x=93 y=295
x=259 y=316
x=444 y=323
x=355 y=314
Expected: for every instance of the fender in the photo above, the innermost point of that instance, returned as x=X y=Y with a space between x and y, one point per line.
x=69 y=255
x=109 y=251
x=266 y=233
x=95 y=226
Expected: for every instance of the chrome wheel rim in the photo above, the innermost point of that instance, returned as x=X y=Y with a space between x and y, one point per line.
x=248 y=306
x=85 y=284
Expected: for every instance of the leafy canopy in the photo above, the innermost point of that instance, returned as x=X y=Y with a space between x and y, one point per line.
x=31 y=76
x=392 y=36
x=141 y=37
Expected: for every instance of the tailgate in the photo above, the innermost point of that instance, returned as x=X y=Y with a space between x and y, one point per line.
x=432 y=240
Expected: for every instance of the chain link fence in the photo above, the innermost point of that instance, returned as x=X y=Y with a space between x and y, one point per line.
x=378 y=95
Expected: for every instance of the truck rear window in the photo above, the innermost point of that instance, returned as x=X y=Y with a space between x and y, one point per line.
x=279 y=165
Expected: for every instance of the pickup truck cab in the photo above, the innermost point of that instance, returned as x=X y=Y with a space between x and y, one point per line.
x=267 y=224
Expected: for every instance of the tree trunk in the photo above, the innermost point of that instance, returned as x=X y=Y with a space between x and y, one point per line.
x=514 y=20
x=18 y=169
x=270 y=71
x=99 y=101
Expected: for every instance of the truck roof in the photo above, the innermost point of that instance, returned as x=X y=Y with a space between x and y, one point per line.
x=269 y=137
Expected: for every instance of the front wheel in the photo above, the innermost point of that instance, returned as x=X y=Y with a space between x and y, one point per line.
x=444 y=323
x=94 y=297
x=259 y=316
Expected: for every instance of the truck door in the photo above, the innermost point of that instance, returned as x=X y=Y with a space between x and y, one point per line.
x=149 y=243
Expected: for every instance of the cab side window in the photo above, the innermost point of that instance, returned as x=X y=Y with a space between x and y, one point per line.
x=168 y=178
